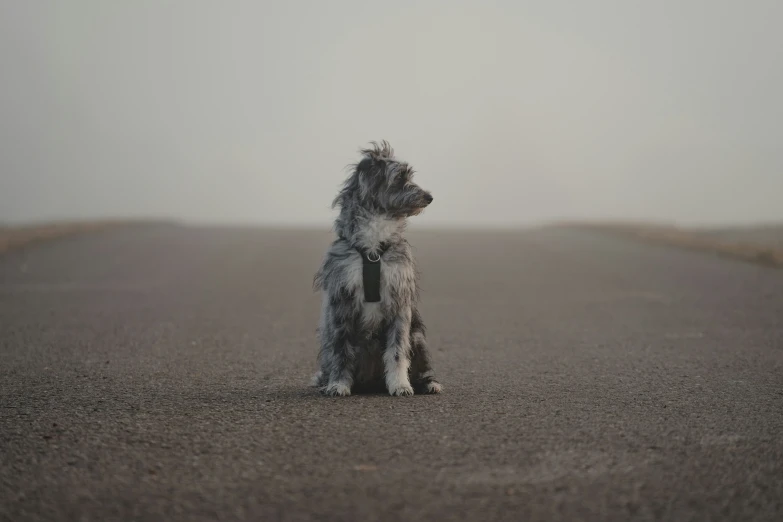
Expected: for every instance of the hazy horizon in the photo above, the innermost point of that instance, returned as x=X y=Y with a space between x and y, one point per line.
x=511 y=113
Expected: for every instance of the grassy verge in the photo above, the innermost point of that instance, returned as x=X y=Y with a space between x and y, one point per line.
x=762 y=245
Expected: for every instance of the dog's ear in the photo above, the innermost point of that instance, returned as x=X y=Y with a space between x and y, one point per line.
x=352 y=185
x=345 y=192
x=370 y=174
x=364 y=167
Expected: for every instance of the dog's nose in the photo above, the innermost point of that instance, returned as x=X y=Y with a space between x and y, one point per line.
x=428 y=198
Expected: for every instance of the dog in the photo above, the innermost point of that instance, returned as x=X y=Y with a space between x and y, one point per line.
x=371 y=333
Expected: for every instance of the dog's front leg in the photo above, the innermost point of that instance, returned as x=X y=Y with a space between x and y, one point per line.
x=338 y=355
x=396 y=357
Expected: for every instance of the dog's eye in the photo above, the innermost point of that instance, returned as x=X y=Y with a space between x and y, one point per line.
x=400 y=182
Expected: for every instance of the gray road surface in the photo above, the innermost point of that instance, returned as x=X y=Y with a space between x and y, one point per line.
x=159 y=373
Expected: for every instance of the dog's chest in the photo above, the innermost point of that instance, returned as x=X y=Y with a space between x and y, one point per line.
x=397 y=285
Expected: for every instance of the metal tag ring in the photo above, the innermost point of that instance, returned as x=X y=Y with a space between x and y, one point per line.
x=371 y=260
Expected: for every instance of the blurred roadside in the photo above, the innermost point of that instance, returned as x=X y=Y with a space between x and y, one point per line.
x=762 y=244
x=12 y=237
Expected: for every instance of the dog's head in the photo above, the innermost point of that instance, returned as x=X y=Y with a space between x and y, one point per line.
x=381 y=184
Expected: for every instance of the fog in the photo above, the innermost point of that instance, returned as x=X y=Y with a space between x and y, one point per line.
x=512 y=113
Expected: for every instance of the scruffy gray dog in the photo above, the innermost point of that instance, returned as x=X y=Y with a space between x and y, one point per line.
x=371 y=332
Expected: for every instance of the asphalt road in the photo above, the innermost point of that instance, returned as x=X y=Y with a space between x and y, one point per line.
x=160 y=373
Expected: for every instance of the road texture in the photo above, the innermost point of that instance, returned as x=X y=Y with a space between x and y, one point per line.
x=160 y=373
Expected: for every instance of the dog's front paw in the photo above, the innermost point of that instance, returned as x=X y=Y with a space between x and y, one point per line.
x=337 y=389
x=404 y=390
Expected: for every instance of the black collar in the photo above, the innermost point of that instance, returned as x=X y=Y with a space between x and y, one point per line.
x=373 y=255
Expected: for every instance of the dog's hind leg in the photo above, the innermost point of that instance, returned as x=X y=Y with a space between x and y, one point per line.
x=396 y=356
x=318 y=380
x=422 y=374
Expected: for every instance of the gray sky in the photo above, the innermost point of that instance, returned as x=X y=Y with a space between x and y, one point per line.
x=511 y=112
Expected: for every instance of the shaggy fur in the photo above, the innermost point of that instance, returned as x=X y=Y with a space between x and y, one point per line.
x=366 y=345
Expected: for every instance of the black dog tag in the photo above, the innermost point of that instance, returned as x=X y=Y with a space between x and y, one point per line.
x=371 y=272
